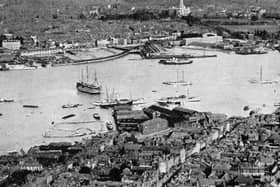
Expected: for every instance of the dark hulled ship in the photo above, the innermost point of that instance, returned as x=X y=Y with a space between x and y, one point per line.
x=89 y=88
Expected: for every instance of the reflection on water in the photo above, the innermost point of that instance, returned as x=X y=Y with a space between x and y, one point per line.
x=221 y=83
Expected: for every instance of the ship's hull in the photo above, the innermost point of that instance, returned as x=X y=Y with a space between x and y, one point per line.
x=112 y=104
x=88 y=89
x=166 y=62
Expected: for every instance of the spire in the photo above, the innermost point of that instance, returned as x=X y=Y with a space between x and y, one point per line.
x=181 y=5
x=183 y=10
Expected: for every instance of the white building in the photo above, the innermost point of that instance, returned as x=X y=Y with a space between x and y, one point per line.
x=208 y=38
x=11 y=44
x=42 y=52
x=102 y=43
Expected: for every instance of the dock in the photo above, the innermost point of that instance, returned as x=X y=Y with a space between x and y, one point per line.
x=182 y=56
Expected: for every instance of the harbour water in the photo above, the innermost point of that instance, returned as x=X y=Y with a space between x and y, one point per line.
x=221 y=83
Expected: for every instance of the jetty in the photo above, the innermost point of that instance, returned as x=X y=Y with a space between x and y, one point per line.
x=182 y=56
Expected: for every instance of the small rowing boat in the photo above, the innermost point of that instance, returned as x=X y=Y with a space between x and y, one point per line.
x=68 y=116
x=30 y=106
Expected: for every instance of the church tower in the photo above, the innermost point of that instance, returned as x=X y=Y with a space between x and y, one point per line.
x=183 y=11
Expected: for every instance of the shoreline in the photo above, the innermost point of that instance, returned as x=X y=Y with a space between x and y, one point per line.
x=88 y=136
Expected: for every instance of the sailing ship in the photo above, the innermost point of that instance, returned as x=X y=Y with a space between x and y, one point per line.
x=175 y=61
x=86 y=87
x=181 y=82
x=261 y=81
x=112 y=101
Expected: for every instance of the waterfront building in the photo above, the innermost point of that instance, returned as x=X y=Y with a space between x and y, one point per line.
x=114 y=41
x=11 y=44
x=102 y=43
x=32 y=166
x=162 y=37
x=42 y=52
x=6 y=58
x=122 y=41
x=129 y=120
x=164 y=113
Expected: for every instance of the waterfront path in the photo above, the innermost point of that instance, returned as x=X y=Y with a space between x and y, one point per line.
x=124 y=53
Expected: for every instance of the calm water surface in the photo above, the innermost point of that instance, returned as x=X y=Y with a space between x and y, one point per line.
x=221 y=83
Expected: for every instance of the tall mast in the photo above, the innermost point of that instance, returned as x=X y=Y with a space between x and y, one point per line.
x=82 y=75
x=113 y=95
x=177 y=75
x=87 y=73
x=183 y=75
x=107 y=96
x=261 y=73
x=130 y=94
x=95 y=76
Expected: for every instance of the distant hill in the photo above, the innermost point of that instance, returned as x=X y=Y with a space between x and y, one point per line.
x=35 y=16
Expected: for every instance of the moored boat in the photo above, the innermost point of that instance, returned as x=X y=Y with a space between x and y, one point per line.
x=46 y=135
x=193 y=100
x=96 y=116
x=68 y=116
x=112 y=101
x=71 y=105
x=175 y=61
x=84 y=88
x=178 y=82
x=89 y=88
x=109 y=125
x=30 y=106
x=261 y=81
x=116 y=102
x=2 y=100
x=169 y=102
x=8 y=67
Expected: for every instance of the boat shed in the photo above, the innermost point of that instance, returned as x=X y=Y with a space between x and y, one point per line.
x=184 y=111
x=165 y=113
